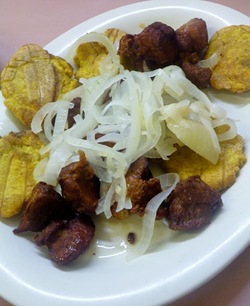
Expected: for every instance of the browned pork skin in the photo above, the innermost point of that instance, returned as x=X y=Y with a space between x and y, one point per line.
x=191 y=205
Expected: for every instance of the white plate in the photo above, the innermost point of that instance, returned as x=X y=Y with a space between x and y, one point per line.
x=183 y=261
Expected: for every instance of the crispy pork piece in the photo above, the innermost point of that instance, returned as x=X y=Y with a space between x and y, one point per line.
x=19 y=154
x=32 y=78
x=141 y=186
x=67 y=240
x=191 y=204
x=158 y=45
x=192 y=36
x=44 y=205
x=192 y=41
x=155 y=45
x=80 y=187
x=186 y=163
x=232 y=45
x=200 y=76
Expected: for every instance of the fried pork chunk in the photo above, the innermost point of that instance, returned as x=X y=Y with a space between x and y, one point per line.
x=192 y=41
x=159 y=45
x=155 y=46
x=19 y=154
x=32 y=78
x=80 y=186
x=192 y=36
x=67 y=240
x=141 y=185
x=43 y=205
x=187 y=163
x=66 y=234
x=141 y=188
x=232 y=72
x=191 y=204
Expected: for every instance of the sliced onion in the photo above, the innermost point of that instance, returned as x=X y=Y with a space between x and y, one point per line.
x=209 y=62
x=114 y=60
x=168 y=182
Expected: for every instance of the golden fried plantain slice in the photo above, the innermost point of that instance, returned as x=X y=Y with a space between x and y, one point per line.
x=19 y=154
x=232 y=44
x=186 y=163
x=63 y=75
x=33 y=78
x=89 y=56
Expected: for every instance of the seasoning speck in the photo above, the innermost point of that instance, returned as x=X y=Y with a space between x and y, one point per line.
x=131 y=238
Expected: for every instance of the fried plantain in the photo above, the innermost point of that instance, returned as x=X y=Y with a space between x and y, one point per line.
x=232 y=72
x=89 y=56
x=187 y=163
x=33 y=78
x=19 y=154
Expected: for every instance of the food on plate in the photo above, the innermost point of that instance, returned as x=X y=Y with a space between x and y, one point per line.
x=192 y=36
x=19 y=154
x=141 y=185
x=155 y=46
x=79 y=185
x=89 y=55
x=67 y=240
x=219 y=176
x=159 y=45
x=191 y=204
x=133 y=104
x=43 y=205
x=232 y=45
x=32 y=78
x=66 y=234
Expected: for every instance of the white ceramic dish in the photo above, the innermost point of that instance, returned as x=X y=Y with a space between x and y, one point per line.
x=180 y=264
